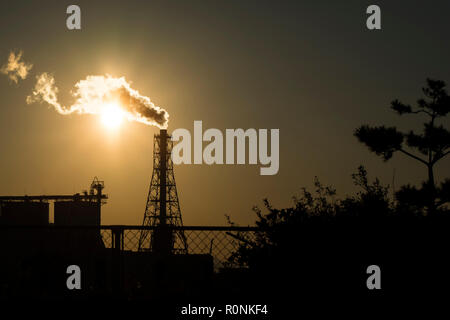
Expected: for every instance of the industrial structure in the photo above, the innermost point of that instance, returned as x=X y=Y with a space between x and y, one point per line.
x=76 y=210
x=163 y=208
x=35 y=250
x=162 y=212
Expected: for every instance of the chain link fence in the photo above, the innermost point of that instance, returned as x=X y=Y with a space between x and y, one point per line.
x=115 y=262
x=219 y=242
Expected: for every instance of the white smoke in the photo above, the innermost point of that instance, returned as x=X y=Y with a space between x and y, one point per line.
x=15 y=68
x=45 y=90
x=93 y=94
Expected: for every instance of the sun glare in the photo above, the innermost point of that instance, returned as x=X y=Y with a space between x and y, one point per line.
x=112 y=115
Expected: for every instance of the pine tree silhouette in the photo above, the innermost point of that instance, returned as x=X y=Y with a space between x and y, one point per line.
x=430 y=146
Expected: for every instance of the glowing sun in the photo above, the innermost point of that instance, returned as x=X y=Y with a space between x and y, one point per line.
x=112 y=115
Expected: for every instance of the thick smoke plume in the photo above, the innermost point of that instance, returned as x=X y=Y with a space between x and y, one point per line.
x=95 y=93
x=14 y=68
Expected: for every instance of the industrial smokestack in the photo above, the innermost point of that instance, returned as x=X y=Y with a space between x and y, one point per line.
x=163 y=235
x=162 y=211
x=163 y=175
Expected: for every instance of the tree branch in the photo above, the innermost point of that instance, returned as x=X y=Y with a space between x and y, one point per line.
x=441 y=202
x=444 y=155
x=438 y=156
x=413 y=156
x=424 y=111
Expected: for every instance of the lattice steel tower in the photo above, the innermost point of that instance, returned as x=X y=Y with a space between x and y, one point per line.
x=163 y=209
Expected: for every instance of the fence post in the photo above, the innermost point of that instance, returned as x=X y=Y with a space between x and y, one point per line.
x=117 y=260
